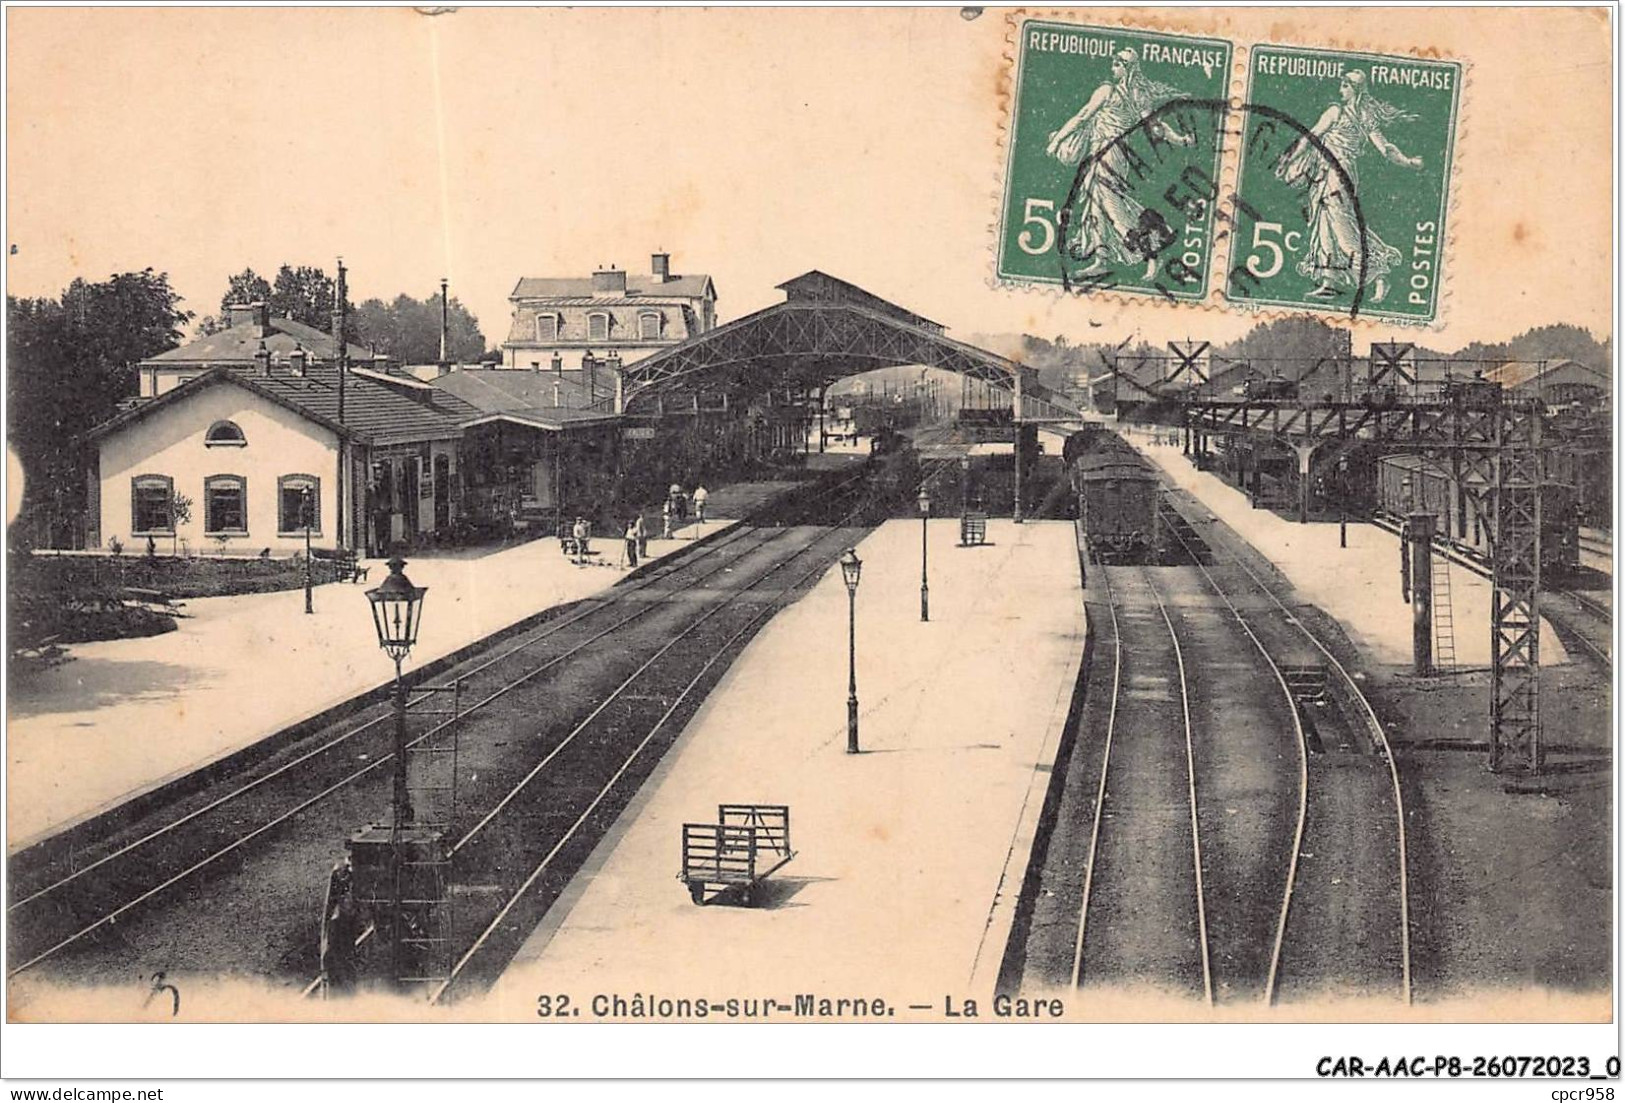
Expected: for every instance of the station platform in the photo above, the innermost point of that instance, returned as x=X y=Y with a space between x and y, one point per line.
x=909 y=855
x=1359 y=586
x=125 y=716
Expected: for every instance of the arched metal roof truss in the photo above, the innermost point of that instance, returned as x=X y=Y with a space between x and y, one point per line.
x=807 y=345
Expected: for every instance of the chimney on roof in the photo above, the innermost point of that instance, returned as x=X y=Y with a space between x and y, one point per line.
x=296 y=361
x=660 y=265
x=262 y=362
x=257 y=315
x=609 y=281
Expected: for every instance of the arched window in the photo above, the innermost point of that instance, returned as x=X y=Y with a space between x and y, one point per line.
x=598 y=327
x=152 y=499
x=225 y=505
x=649 y=326
x=293 y=506
x=224 y=434
x=547 y=327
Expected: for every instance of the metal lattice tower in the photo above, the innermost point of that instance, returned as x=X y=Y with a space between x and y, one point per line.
x=1515 y=604
x=1493 y=445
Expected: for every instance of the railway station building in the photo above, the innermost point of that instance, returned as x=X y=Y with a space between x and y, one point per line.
x=586 y=329
x=248 y=425
x=230 y=459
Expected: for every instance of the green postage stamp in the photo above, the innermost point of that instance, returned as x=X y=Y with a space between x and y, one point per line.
x=1117 y=178
x=1344 y=182
x=1114 y=148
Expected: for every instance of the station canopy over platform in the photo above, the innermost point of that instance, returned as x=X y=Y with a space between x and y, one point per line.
x=826 y=329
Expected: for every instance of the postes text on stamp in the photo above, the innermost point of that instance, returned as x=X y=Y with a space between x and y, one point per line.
x=1114 y=148
x=1344 y=181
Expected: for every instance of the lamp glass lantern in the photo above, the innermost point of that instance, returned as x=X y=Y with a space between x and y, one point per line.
x=925 y=501
x=851 y=569
x=397 y=607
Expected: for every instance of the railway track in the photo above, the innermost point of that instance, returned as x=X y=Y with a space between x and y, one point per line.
x=1139 y=796
x=540 y=830
x=65 y=903
x=1224 y=829
x=1347 y=884
x=1586 y=621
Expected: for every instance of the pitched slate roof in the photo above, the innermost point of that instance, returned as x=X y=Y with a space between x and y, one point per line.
x=375 y=411
x=816 y=286
x=239 y=343
x=638 y=288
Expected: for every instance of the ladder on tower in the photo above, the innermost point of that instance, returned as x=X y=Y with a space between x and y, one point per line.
x=1444 y=624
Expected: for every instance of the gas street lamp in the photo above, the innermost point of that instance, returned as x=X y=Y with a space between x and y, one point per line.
x=397 y=606
x=1342 y=501
x=925 y=586
x=305 y=514
x=851 y=568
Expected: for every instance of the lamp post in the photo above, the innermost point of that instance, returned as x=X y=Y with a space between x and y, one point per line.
x=304 y=512
x=397 y=606
x=1342 y=501
x=925 y=586
x=851 y=568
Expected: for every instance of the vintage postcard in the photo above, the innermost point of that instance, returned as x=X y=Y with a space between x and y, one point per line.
x=676 y=518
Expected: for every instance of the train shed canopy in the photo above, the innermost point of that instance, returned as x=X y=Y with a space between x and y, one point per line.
x=826 y=329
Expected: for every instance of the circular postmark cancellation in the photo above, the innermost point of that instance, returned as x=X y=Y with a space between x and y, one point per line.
x=1135 y=199
x=1129 y=162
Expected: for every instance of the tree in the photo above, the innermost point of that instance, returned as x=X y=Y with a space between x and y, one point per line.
x=247 y=286
x=304 y=294
x=408 y=330
x=1285 y=343
x=71 y=361
x=180 y=514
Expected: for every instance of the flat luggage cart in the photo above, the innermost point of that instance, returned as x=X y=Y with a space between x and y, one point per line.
x=737 y=853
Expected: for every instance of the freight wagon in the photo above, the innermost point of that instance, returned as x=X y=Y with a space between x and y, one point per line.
x=1117 y=493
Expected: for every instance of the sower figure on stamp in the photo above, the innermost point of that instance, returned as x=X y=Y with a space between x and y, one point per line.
x=1105 y=222
x=1333 y=256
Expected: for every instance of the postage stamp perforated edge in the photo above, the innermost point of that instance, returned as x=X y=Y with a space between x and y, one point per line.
x=1008 y=105
x=1213 y=26
x=1368 y=313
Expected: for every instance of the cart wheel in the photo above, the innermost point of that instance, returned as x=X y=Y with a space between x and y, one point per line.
x=696 y=892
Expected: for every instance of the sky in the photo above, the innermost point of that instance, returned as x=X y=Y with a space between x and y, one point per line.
x=488 y=144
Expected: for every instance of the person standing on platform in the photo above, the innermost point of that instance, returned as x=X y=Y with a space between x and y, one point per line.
x=643 y=536
x=632 y=544
x=700 y=497
x=341 y=926
x=580 y=534
x=665 y=520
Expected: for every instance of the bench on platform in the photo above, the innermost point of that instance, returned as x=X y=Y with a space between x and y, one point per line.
x=346 y=564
